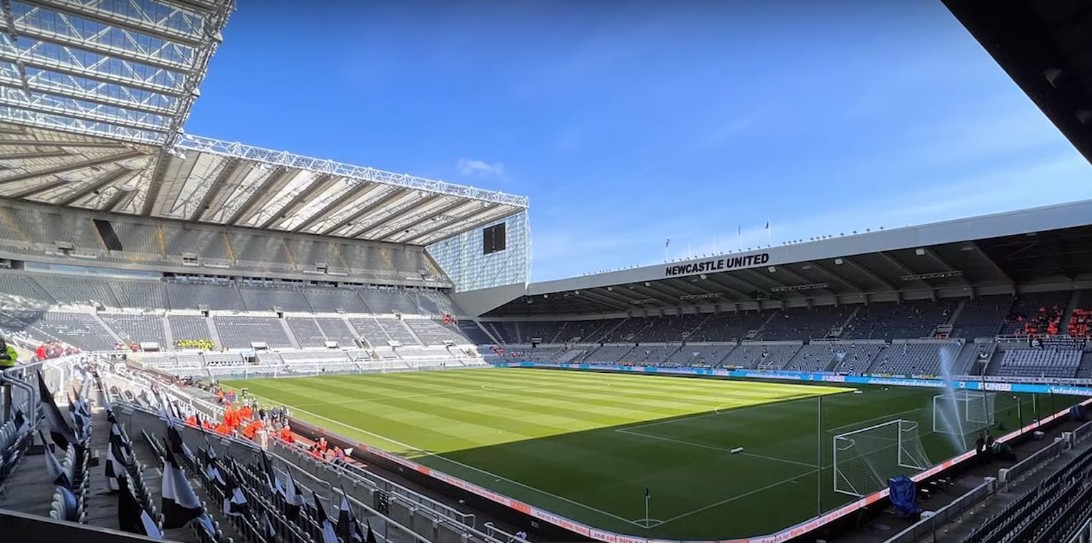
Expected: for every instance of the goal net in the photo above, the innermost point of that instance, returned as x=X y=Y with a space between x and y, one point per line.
x=962 y=412
x=865 y=459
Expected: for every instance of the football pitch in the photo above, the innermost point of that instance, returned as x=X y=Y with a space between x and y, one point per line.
x=587 y=445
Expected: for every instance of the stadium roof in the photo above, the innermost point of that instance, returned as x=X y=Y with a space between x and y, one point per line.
x=1046 y=47
x=1006 y=250
x=93 y=95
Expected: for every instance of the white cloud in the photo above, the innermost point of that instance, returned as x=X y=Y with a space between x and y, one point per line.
x=468 y=167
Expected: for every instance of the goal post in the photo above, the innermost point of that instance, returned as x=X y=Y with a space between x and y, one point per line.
x=865 y=459
x=961 y=412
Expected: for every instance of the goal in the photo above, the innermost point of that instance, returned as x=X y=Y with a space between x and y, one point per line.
x=961 y=412
x=865 y=459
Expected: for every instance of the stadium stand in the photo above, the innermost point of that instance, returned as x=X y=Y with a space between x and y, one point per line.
x=1080 y=320
x=189 y=327
x=833 y=356
x=629 y=330
x=136 y=327
x=916 y=357
x=672 y=328
x=386 y=301
x=1058 y=360
x=141 y=294
x=138 y=239
x=652 y=354
x=772 y=356
x=729 y=326
x=982 y=316
x=241 y=332
x=268 y=298
x=23 y=289
x=333 y=300
x=185 y=295
x=509 y=332
x=610 y=354
x=908 y=320
x=316 y=331
x=584 y=331
x=432 y=332
x=700 y=356
x=804 y=323
x=1036 y=313
x=473 y=332
x=78 y=291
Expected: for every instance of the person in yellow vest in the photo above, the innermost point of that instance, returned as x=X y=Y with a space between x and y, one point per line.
x=8 y=357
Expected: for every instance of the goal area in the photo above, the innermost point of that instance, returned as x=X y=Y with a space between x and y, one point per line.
x=962 y=412
x=865 y=459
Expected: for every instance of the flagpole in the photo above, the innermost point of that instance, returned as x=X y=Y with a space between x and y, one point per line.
x=740 y=235
x=769 y=234
x=648 y=519
x=819 y=458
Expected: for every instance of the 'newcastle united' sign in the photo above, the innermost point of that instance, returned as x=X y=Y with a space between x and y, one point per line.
x=714 y=265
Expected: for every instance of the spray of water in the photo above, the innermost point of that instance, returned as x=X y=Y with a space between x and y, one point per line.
x=948 y=413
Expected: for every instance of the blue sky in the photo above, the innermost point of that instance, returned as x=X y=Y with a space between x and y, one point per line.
x=627 y=123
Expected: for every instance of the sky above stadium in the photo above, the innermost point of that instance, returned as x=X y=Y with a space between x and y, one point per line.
x=628 y=123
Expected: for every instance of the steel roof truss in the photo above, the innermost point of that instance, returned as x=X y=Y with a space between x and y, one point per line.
x=318 y=185
x=435 y=214
x=98 y=184
x=71 y=166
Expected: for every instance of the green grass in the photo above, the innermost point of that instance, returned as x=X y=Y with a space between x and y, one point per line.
x=587 y=445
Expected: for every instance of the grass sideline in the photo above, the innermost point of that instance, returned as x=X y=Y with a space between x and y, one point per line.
x=586 y=445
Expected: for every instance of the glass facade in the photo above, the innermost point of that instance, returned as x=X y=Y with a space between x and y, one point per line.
x=473 y=262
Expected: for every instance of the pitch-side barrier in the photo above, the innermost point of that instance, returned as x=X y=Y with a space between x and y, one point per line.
x=963 y=383
x=787 y=534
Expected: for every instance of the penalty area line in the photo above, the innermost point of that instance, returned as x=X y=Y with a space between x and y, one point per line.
x=862 y=423
x=712 y=447
x=739 y=497
x=466 y=466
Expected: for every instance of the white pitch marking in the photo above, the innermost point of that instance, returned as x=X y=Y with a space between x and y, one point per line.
x=467 y=466
x=881 y=417
x=739 y=496
x=716 y=411
x=712 y=447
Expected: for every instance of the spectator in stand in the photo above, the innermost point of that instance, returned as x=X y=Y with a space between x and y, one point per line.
x=9 y=358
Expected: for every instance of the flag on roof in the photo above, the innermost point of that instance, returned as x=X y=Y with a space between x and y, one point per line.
x=180 y=505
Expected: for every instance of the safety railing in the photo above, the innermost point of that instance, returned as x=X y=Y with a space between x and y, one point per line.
x=963 y=506
x=1011 y=477
x=370 y=480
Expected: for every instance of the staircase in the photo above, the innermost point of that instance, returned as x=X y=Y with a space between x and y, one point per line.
x=995 y=363
x=1074 y=303
x=214 y=334
x=288 y=333
x=955 y=314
